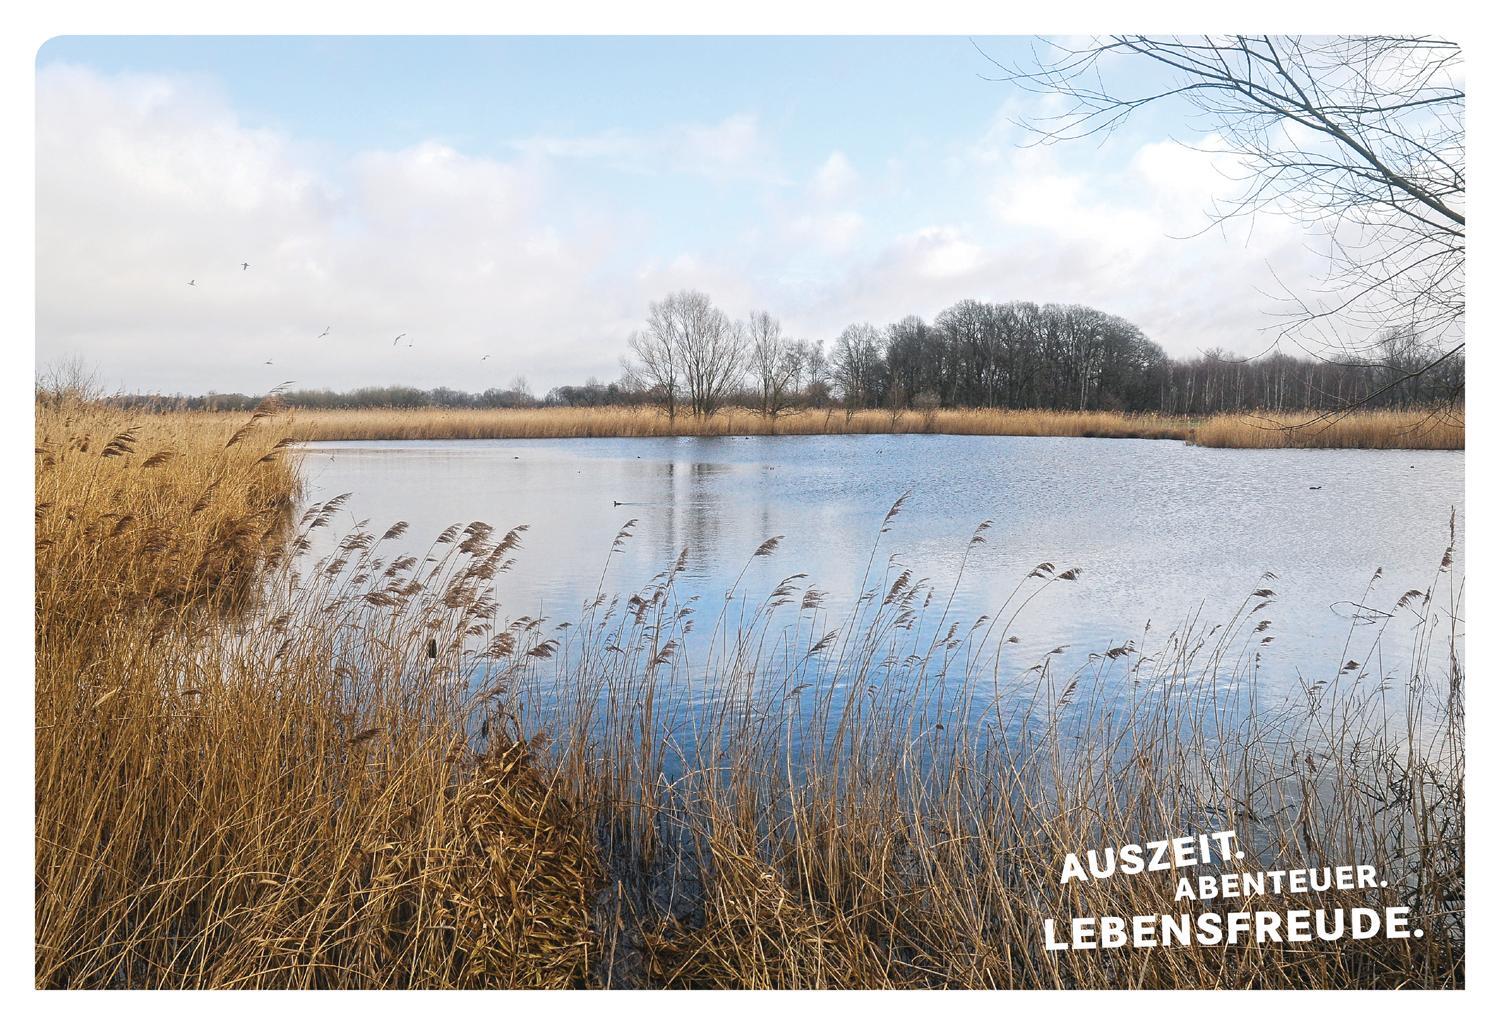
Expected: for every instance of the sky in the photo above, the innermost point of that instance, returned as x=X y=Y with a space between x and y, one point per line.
x=526 y=198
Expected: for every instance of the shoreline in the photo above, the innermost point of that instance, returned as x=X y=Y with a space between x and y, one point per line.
x=1415 y=430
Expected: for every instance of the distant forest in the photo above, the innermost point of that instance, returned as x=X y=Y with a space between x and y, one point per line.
x=691 y=358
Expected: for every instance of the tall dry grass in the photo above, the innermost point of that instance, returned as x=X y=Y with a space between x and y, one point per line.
x=643 y=421
x=278 y=791
x=368 y=777
x=885 y=799
x=140 y=513
x=1419 y=429
x=1374 y=429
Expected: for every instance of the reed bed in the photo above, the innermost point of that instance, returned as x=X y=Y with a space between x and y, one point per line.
x=267 y=786
x=885 y=798
x=143 y=513
x=1375 y=429
x=646 y=422
x=1406 y=429
x=359 y=773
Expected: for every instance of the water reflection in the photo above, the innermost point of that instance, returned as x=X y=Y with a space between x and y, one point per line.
x=1164 y=534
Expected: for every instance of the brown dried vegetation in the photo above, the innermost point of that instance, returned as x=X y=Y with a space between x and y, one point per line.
x=257 y=770
x=1359 y=429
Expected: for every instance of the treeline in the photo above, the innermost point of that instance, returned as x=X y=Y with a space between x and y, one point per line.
x=692 y=358
x=517 y=396
x=1013 y=355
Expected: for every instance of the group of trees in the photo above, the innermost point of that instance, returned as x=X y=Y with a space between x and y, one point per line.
x=689 y=353
x=397 y=396
x=1014 y=354
x=692 y=357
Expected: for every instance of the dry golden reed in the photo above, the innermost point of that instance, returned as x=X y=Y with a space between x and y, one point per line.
x=864 y=802
x=136 y=512
x=1358 y=429
x=277 y=792
x=1419 y=429
x=282 y=751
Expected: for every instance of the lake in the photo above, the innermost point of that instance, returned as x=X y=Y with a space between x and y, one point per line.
x=1163 y=532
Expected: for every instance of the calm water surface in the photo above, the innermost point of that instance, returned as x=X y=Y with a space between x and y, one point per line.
x=1162 y=531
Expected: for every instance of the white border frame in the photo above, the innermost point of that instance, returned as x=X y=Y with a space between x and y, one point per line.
x=32 y=25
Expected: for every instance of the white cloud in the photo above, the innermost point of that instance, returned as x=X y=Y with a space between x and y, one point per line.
x=734 y=144
x=734 y=147
x=614 y=145
x=833 y=231
x=835 y=178
x=146 y=183
x=938 y=252
x=1133 y=232
x=1125 y=235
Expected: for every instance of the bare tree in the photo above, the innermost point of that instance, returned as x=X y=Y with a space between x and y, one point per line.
x=858 y=366
x=653 y=363
x=705 y=347
x=775 y=364
x=812 y=372
x=69 y=379
x=721 y=365
x=1360 y=137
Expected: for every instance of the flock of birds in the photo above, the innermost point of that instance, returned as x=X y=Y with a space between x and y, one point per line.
x=244 y=266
